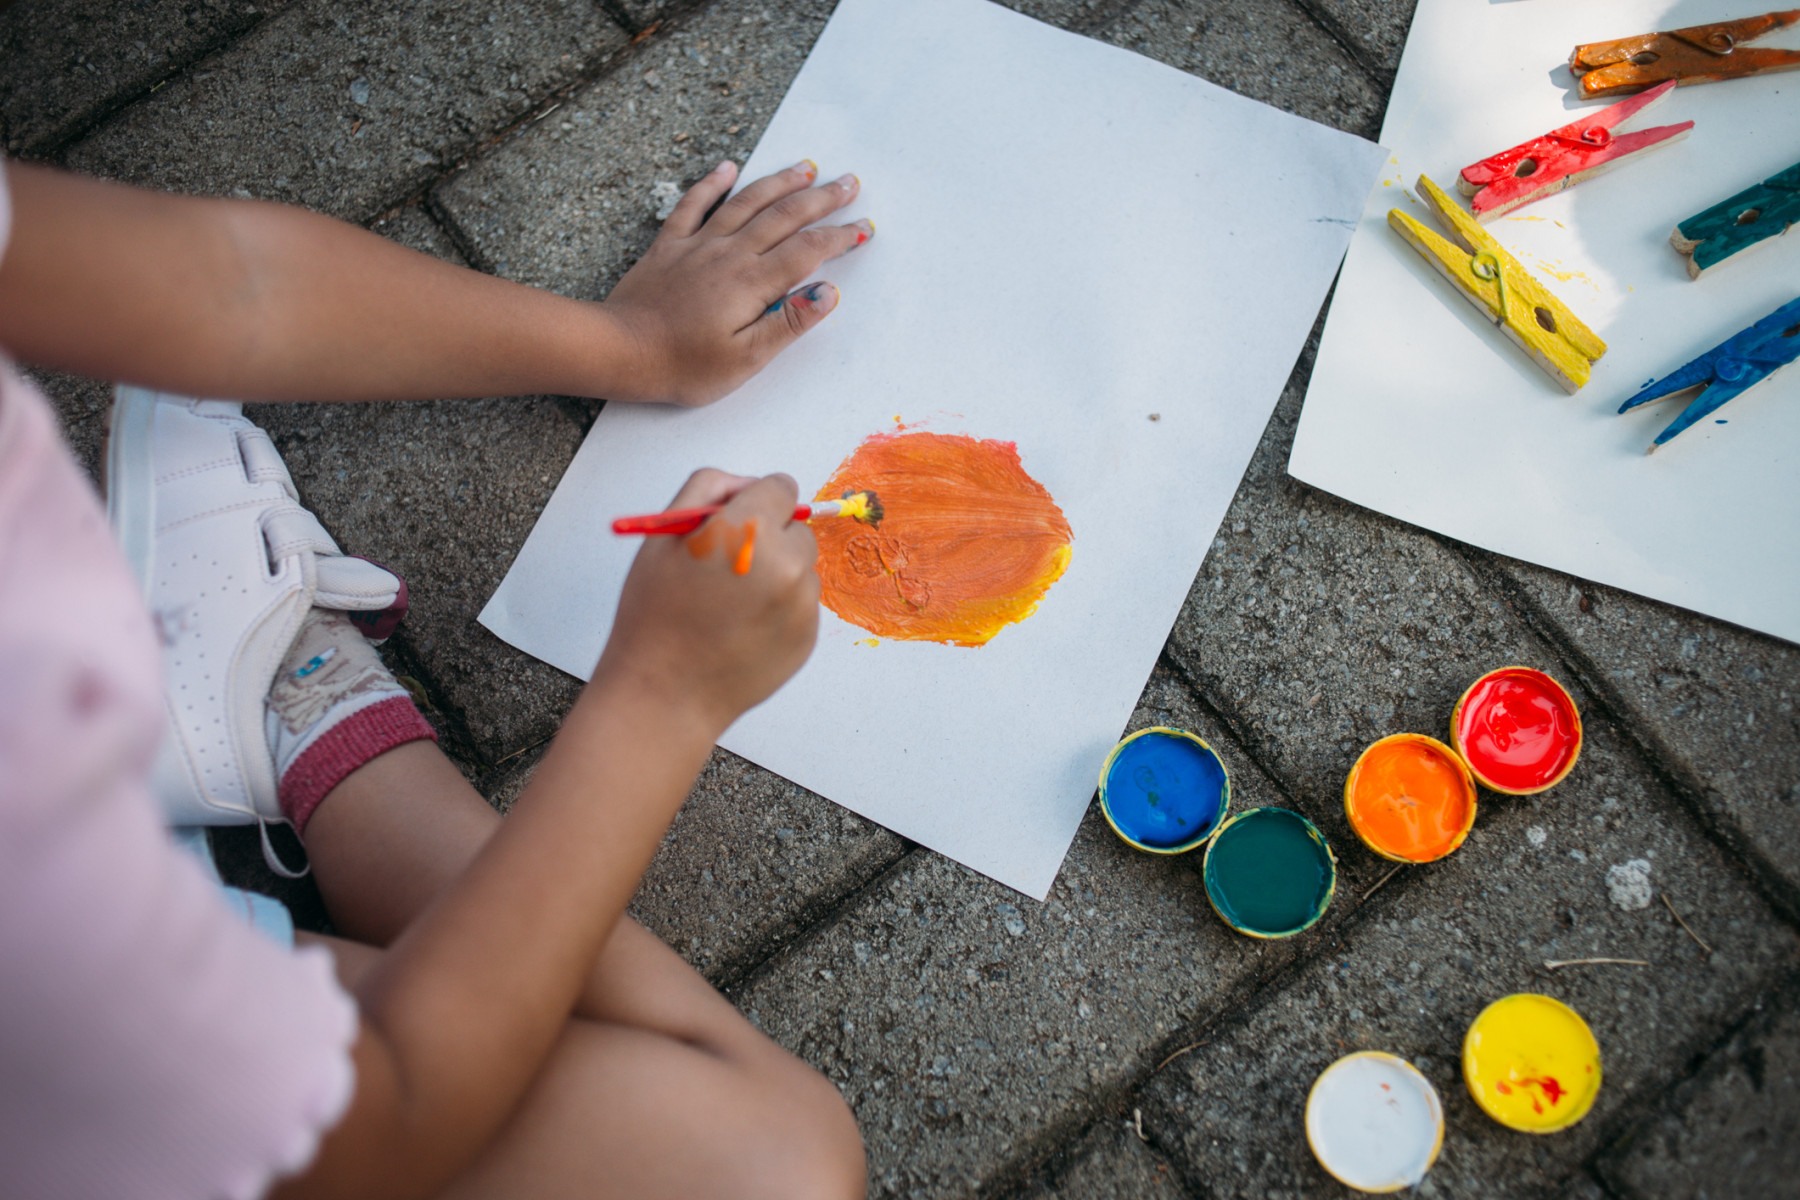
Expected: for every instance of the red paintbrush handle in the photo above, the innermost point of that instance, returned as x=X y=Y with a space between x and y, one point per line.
x=682 y=520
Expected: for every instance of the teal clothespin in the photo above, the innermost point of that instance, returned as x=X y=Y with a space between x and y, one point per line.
x=1729 y=369
x=1754 y=215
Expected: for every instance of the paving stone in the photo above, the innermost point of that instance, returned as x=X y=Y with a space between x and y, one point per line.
x=1436 y=946
x=1733 y=1130
x=750 y=861
x=1268 y=50
x=1110 y=1164
x=1377 y=28
x=66 y=63
x=347 y=107
x=971 y=1028
x=1720 y=703
x=568 y=203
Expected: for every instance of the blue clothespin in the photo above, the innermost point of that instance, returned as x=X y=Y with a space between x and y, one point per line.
x=1729 y=369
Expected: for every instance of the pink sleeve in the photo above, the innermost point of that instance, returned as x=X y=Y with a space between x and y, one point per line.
x=151 y=1043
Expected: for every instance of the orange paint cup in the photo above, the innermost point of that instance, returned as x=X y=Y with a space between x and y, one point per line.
x=1410 y=798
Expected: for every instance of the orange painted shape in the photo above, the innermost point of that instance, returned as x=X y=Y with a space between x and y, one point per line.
x=746 y=551
x=970 y=542
x=1410 y=798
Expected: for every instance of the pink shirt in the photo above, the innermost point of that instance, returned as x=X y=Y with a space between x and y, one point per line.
x=152 y=1044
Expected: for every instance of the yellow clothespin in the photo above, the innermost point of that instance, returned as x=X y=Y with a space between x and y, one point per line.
x=1494 y=282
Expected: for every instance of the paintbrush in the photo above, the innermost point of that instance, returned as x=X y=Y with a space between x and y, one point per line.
x=859 y=506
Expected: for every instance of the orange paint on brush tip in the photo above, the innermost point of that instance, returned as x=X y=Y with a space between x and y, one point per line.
x=1410 y=798
x=968 y=545
x=746 y=551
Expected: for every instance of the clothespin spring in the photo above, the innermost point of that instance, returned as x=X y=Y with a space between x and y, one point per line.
x=1486 y=267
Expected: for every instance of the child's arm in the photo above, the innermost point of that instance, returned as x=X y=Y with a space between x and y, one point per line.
x=255 y=301
x=465 y=1008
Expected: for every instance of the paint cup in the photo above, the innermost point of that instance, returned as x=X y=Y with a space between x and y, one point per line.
x=1518 y=729
x=1269 y=873
x=1374 y=1122
x=1532 y=1063
x=1410 y=798
x=1164 y=790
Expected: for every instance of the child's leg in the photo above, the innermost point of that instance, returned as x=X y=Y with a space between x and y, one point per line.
x=659 y=1086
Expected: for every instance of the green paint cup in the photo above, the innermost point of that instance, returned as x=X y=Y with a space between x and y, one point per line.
x=1269 y=873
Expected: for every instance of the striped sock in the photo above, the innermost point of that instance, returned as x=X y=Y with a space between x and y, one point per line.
x=333 y=707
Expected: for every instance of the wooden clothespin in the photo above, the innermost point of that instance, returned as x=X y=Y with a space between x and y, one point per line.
x=1564 y=157
x=1728 y=370
x=1754 y=215
x=1494 y=282
x=1697 y=54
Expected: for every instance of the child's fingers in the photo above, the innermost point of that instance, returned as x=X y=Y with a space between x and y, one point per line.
x=693 y=207
x=794 y=314
x=770 y=500
x=738 y=211
x=788 y=550
x=787 y=216
x=801 y=254
x=709 y=485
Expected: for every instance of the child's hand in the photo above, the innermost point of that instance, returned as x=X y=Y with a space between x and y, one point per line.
x=711 y=302
x=712 y=623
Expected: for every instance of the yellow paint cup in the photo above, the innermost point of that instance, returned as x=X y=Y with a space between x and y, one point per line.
x=1532 y=1063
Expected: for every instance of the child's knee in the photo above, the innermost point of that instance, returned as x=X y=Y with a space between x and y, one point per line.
x=826 y=1148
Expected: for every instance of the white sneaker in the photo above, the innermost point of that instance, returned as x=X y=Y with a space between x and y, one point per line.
x=230 y=563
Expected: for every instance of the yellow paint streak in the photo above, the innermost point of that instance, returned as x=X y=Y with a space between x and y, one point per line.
x=1567 y=350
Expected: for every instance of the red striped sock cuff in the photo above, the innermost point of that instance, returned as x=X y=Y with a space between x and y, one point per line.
x=353 y=741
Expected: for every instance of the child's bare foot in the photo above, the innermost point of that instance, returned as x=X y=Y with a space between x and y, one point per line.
x=714 y=299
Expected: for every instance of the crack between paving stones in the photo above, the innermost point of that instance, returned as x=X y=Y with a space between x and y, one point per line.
x=53 y=147
x=808 y=924
x=1647 y=1105
x=1235 y=1007
x=1658 y=758
x=1380 y=78
x=1252 y=744
x=454 y=738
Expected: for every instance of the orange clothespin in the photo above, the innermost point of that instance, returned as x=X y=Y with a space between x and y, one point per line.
x=1697 y=54
x=1563 y=157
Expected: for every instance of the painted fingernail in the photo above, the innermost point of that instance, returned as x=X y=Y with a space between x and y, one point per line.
x=822 y=296
x=808 y=168
x=864 y=229
x=848 y=182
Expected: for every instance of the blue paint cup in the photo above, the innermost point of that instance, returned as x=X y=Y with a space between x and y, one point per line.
x=1164 y=790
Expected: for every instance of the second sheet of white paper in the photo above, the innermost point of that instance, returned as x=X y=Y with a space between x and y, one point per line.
x=1107 y=261
x=1419 y=409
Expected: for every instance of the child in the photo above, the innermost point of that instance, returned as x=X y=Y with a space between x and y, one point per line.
x=491 y=1024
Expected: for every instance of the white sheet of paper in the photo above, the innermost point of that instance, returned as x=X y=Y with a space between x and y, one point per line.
x=1420 y=410
x=1071 y=238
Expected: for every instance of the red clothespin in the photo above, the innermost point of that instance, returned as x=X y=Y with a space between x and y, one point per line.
x=1697 y=54
x=1564 y=157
